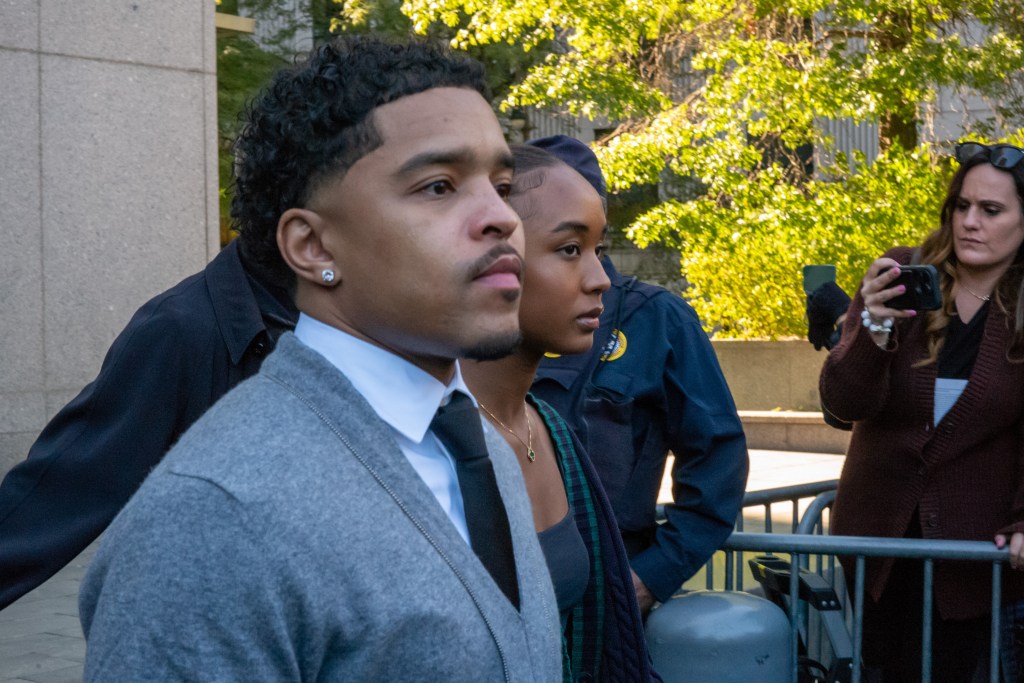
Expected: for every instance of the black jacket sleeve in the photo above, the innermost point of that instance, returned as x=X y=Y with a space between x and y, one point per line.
x=157 y=378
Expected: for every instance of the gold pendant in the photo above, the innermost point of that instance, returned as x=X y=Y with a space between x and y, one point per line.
x=531 y=455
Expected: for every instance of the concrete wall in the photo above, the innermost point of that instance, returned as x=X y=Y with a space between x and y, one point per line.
x=771 y=375
x=108 y=186
x=775 y=385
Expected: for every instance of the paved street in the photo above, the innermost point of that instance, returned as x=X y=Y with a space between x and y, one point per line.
x=41 y=639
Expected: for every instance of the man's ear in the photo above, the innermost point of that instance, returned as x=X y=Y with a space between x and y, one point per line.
x=299 y=238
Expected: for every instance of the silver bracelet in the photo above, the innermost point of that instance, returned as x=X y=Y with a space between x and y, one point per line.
x=868 y=321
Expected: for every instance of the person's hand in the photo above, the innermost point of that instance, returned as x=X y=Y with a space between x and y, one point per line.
x=826 y=305
x=876 y=292
x=1016 y=548
x=643 y=595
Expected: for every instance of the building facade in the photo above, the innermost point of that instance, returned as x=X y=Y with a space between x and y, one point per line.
x=108 y=189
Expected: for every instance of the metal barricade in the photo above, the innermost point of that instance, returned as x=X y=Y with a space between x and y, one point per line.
x=799 y=546
x=817 y=496
x=808 y=540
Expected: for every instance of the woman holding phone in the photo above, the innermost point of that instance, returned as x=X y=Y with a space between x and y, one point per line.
x=559 y=193
x=937 y=402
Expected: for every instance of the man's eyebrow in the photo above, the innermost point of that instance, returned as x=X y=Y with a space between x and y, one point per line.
x=506 y=161
x=451 y=157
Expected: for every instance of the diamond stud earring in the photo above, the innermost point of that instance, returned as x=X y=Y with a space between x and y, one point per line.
x=327 y=276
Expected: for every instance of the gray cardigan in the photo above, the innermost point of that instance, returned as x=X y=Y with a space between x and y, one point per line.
x=286 y=538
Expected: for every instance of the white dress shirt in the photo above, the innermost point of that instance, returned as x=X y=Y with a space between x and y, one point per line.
x=405 y=397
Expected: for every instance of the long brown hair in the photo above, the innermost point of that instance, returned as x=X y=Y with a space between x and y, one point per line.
x=937 y=249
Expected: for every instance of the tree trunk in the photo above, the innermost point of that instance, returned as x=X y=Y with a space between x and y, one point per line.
x=898 y=128
x=897 y=125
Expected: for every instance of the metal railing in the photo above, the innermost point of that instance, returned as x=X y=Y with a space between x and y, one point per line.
x=820 y=495
x=808 y=539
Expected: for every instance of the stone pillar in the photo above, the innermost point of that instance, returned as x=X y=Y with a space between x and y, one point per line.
x=108 y=186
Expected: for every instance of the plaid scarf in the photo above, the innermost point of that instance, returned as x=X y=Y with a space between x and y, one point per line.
x=604 y=635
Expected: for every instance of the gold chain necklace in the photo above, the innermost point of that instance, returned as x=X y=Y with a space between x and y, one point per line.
x=976 y=296
x=529 y=428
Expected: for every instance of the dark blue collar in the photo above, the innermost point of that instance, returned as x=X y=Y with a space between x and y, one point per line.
x=242 y=313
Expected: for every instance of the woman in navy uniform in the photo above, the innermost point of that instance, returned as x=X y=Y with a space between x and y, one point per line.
x=652 y=384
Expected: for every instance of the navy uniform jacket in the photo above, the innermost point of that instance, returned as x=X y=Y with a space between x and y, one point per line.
x=179 y=353
x=659 y=389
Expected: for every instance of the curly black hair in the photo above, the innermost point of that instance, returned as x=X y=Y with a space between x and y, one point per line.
x=312 y=123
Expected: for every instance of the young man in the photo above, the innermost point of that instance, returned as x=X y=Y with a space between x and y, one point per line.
x=316 y=522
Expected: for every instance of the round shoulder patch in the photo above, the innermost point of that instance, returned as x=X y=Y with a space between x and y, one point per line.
x=616 y=346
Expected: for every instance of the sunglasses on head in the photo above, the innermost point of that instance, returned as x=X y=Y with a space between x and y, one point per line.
x=1000 y=156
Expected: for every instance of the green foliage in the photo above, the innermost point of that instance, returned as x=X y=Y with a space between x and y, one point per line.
x=505 y=64
x=764 y=75
x=242 y=69
x=744 y=256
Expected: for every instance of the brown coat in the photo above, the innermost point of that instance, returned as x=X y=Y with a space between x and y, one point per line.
x=964 y=477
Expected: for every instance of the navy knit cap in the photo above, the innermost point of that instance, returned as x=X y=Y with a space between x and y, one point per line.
x=577 y=155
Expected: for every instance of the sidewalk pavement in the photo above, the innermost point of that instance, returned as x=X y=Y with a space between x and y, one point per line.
x=41 y=639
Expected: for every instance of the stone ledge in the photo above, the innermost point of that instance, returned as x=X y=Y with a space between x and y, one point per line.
x=790 y=430
x=799 y=417
x=770 y=375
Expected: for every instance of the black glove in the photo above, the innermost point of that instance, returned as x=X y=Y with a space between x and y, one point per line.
x=824 y=305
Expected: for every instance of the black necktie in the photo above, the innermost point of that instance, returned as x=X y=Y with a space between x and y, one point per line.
x=457 y=425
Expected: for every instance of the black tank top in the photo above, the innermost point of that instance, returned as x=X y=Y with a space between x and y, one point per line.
x=568 y=561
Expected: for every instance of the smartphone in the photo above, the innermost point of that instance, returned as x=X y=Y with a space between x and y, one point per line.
x=923 y=293
x=817 y=275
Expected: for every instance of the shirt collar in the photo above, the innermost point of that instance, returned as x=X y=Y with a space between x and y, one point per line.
x=403 y=395
x=238 y=310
